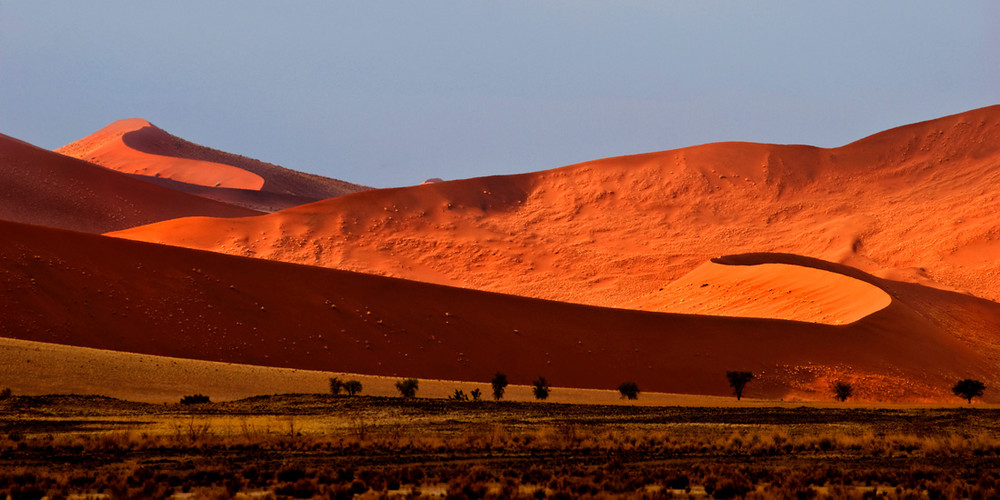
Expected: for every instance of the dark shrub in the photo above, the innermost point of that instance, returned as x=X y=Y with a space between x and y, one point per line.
x=541 y=388
x=739 y=380
x=353 y=387
x=968 y=389
x=195 y=399
x=499 y=384
x=407 y=387
x=842 y=390
x=629 y=390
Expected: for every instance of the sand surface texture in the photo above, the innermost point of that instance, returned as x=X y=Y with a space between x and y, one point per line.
x=917 y=203
x=107 y=293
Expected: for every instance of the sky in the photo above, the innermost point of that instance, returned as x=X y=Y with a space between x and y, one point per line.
x=391 y=93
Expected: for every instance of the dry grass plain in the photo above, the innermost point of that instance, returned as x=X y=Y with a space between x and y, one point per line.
x=322 y=446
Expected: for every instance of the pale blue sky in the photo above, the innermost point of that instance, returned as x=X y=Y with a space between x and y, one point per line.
x=391 y=93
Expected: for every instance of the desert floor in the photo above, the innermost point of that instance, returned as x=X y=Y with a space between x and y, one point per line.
x=308 y=446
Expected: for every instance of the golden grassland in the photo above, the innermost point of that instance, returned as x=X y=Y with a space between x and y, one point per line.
x=321 y=446
x=39 y=368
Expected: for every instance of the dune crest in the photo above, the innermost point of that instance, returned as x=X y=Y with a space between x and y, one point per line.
x=911 y=202
x=136 y=146
x=767 y=289
x=41 y=187
x=122 y=146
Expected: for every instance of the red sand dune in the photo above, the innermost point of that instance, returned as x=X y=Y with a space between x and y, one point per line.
x=135 y=146
x=769 y=290
x=917 y=203
x=41 y=187
x=87 y=290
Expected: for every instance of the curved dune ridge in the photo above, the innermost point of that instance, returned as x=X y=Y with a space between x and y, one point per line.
x=135 y=146
x=41 y=187
x=916 y=203
x=767 y=289
x=107 y=293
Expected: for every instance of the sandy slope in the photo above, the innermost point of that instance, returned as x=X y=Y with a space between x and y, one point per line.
x=917 y=203
x=135 y=146
x=45 y=188
x=770 y=290
x=107 y=293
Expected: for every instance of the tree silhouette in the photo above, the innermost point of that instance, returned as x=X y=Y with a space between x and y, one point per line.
x=499 y=383
x=352 y=387
x=629 y=390
x=541 y=388
x=968 y=389
x=842 y=390
x=336 y=385
x=407 y=387
x=739 y=380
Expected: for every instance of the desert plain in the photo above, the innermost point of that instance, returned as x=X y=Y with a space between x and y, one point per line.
x=139 y=268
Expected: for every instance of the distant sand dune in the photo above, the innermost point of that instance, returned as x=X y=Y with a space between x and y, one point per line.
x=45 y=188
x=916 y=203
x=135 y=146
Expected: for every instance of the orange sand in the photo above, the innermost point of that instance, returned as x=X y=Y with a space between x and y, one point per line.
x=779 y=291
x=135 y=146
x=916 y=203
x=45 y=188
x=108 y=293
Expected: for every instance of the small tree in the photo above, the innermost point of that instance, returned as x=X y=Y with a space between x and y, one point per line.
x=5 y=394
x=407 y=387
x=459 y=396
x=739 y=380
x=499 y=384
x=195 y=399
x=336 y=385
x=842 y=390
x=353 y=387
x=968 y=389
x=541 y=388
x=629 y=390
x=476 y=394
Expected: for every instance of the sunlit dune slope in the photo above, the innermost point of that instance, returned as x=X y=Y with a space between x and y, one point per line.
x=45 y=188
x=93 y=291
x=135 y=146
x=917 y=203
x=769 y=289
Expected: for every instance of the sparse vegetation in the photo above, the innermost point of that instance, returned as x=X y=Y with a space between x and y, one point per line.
x=476 y=394
x=195 y=399
x=738 y=381
x=459 y=395
x=353 y=387
x=407 y=387
x=384 y=447
x=540 y=387
x=629 y=390
x=336 y=385
x=499 y=384
x=968 y=389
x=5 y=393
x=842 y=390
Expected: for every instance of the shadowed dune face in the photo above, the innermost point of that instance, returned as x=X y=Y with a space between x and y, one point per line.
x=135 y=146
x=107 y=293
x=917 y=203
x=127 y=145
x=49 y=189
